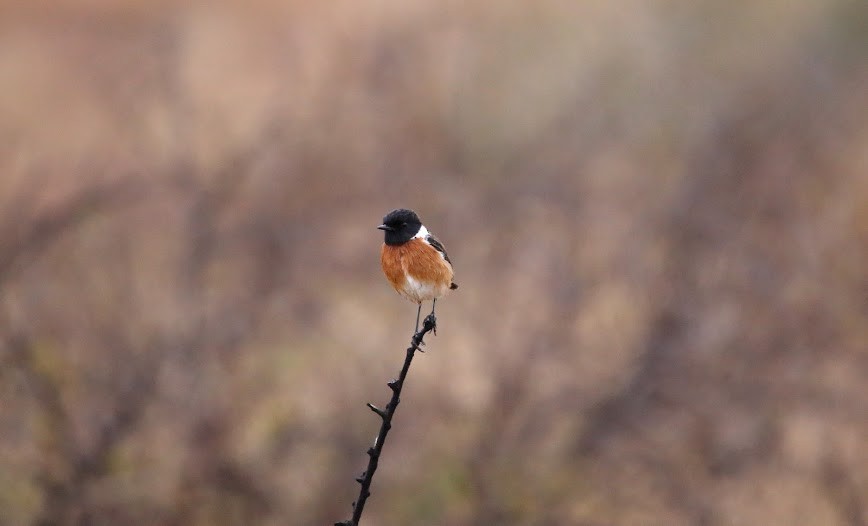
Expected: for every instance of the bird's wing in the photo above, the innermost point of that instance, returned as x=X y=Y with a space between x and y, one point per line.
x=434 y=242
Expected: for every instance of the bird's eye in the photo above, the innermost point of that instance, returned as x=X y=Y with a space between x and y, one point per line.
x=403 y=224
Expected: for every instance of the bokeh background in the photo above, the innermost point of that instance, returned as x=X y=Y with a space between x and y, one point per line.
x=658 y=213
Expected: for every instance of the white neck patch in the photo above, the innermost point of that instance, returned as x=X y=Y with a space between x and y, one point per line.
x=422 y=233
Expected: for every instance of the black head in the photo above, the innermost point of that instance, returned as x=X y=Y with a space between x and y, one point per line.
x=400 y=226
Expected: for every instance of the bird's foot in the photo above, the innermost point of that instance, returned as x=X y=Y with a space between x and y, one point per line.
x=430 y=323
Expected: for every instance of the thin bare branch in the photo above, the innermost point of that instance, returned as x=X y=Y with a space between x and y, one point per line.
x=386 y=415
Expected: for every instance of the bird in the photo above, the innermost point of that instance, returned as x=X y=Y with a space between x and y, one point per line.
x=414 y=261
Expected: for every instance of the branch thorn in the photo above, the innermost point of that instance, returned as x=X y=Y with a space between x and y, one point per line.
x=377 y=410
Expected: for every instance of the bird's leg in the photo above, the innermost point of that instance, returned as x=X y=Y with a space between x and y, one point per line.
x=433 y=317
x=418 y=312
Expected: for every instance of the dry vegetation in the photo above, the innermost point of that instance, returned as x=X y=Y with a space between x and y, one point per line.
x=658 y=212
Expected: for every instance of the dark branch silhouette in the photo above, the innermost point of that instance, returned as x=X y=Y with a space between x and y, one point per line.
x=386 y=414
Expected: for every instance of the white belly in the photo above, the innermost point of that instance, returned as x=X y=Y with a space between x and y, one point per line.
x=418 y=291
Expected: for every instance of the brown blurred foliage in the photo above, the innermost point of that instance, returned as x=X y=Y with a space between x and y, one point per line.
x=658 y=214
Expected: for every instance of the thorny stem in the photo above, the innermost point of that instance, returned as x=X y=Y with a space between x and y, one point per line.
x=386 y=415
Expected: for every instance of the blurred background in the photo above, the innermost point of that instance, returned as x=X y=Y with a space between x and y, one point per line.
x=657 y=211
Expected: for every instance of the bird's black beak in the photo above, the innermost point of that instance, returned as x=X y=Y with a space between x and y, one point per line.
x=387 y=228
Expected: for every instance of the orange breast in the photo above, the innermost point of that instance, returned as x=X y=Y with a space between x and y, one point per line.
x=416 y=270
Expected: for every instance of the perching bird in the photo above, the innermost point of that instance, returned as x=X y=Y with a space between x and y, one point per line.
x=413 y=260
